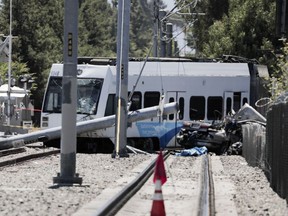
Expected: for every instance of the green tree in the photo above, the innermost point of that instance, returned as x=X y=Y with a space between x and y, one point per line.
x=39 y=29
x=38 y=25
x=278 y=81
x=141 y=36
x=244 y=29
x=17 y=69
x=97 y=29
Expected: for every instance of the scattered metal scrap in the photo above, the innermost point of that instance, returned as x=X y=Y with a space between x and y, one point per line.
x=225 y=136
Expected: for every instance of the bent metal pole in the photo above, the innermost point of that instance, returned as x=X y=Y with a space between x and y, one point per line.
x=85 y=126
x=67 y=173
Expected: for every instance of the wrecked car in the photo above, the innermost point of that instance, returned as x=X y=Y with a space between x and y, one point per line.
x=222 y=137
x=199 y=134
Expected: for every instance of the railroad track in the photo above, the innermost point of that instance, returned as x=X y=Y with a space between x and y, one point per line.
x=207 y=195
x=13 y=156
x=121 y=202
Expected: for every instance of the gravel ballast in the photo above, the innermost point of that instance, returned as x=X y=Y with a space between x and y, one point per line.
x=27 y=189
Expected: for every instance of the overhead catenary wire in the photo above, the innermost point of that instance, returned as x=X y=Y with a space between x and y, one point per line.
x=170 y=13
x=141 y=71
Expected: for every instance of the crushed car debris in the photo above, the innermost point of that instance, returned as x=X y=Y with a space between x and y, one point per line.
x=223 y=137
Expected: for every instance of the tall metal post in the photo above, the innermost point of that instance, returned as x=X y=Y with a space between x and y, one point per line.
x=162 y=14
x=169 y=28
x=9 y=74
x=156 y=27
x=122 y=78
x=284 y=19
x=67 y=174
x=281 y=18
x=176 y=49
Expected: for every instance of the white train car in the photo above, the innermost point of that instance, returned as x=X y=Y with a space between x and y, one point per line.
x=204 y=91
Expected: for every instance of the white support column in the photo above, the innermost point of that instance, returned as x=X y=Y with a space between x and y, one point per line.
x=67 y=175
x=122 y=78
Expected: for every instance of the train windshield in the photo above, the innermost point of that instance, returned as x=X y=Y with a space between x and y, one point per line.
x=88 y=94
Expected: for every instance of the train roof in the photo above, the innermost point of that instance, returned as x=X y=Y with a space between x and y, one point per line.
x=165 y=68
x=203 y=69
x=113 y=60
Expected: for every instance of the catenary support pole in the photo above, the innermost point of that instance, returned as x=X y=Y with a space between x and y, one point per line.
x=9 y=74
x=162 y=14
x=122 y=78
x=169 y=28
x=67 y=175
x=156 y=28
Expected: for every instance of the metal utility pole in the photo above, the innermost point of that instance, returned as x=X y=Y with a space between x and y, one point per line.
x=281 y=18
x=67 y=174
x=122 y=78
x=169 y=28
x=156 y=27
x=9 y=73
x=163 y=37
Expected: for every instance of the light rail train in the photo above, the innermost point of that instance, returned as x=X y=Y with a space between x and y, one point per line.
x=203 y=90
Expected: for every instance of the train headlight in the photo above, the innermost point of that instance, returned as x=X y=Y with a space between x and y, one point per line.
x=45 y=121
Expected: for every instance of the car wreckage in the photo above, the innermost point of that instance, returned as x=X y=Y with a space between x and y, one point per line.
x=223 y=136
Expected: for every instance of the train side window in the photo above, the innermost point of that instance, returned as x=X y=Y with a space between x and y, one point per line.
x=151 y=99
x=136 y=101
x=110 y=105
x=197 y=108
x=171 y=116
x=245 y=100
x=236 y=101
x=214 y=108
x=181 y=108
x=228 y=105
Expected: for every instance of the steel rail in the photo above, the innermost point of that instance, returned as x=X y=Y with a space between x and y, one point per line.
x=11 y=151
x=24 y=158
x=119 y=200
x=211 y=188
x=207 y=194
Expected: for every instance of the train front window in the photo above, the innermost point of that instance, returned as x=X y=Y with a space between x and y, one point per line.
x=53 y=97
x=88 y=94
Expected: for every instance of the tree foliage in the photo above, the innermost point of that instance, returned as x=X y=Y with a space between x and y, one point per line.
x=236 y=27
x=278 y=82
x=38 y=25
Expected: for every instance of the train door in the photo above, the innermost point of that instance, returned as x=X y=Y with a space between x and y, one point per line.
x=173 y=121
x=234 y=100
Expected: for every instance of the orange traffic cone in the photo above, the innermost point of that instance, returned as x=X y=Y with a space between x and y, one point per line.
x=158 y=208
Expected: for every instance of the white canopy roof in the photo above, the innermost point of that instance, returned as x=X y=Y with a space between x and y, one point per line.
x=15 y=91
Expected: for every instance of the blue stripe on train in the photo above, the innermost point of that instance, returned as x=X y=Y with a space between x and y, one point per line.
x=165 y=131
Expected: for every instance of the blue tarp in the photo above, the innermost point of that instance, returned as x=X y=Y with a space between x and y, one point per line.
x=196 y=151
